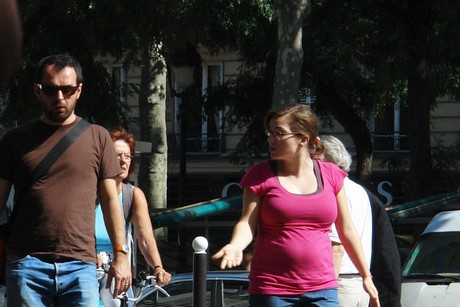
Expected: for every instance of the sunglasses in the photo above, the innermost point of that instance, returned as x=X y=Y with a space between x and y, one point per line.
x=50 y=90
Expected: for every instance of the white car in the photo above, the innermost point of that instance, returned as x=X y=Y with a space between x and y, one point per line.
x=431 y=275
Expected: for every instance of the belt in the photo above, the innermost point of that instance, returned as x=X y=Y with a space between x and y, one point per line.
x=349 y=275
x=53 y=258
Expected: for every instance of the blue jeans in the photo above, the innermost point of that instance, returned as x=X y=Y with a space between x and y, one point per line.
x=33 y=282
x=321 y=298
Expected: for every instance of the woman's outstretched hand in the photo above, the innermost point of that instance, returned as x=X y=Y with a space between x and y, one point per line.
x=230 y=255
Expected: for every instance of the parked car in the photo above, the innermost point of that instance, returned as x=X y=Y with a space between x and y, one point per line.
x=431 y=274
x=224 y=289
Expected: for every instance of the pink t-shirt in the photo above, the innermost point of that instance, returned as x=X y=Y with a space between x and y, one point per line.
x=292 y=253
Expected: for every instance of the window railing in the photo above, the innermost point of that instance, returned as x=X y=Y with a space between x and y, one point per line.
x=198 y=144
x=391 y=141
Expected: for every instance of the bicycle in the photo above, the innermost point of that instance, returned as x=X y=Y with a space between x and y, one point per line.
x=142 y=284
x=139 y=286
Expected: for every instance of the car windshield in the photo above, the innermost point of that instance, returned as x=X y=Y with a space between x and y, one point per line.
x=436 y=254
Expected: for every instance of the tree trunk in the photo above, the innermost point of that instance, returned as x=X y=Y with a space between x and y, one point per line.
x=420 y=171
x=420 y=101
x=353 y=124
x=291 y=15
x=152 y=122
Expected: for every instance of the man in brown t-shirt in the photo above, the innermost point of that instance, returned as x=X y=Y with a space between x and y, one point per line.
x=51 y=253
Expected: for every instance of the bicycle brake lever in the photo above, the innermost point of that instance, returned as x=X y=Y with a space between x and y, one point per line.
x=142 y=275
x=162 y=290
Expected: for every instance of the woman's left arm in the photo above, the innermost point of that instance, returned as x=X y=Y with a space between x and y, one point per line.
x=352 y=243
x=143 y=231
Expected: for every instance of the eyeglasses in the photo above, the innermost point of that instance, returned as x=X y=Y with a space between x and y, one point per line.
x=125 y=156
x=278 y=135
x=51 y=90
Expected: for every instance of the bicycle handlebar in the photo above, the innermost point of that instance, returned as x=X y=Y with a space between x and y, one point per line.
x=145 y=282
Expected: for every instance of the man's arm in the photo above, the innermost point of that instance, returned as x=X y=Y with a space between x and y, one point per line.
x=114 y=223
x=5 y=187
x=338 y=251
x=10 y=40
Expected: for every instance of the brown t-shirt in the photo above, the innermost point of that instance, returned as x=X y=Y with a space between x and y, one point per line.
x=56 y=215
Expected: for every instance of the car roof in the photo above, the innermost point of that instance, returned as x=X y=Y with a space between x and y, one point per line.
x=446 y=221
x=214 y=275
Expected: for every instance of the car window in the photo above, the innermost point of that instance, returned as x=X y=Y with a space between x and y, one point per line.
x=218 y=294
x=236 y=294
x=435 y=253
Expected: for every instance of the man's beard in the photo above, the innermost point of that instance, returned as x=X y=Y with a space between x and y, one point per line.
x=55 y=117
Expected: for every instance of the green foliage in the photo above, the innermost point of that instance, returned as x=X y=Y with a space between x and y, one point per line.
x=446 y=165
x=229 y=25
x=395 y=164
x=248 y=26
x=245 y=100
x=365 y=49
x=446 y=159
x=336 y=47
x=362 y=49
x=52 y=27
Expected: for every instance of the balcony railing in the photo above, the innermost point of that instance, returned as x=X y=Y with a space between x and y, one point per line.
x=203 y=144
x=223 y=144
x=391 y=141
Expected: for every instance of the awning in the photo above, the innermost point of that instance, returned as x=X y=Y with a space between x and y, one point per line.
x=195 y=211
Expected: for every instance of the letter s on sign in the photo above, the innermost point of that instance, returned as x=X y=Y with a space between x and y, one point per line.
x=384 y=193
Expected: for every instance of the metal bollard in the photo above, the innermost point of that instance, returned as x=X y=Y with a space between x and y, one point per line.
x=199 y=244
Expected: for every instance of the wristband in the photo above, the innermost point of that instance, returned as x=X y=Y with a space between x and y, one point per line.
x=156 y=267
x=121 y=248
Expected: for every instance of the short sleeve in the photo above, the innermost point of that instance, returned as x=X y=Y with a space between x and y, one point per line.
x=257 y=177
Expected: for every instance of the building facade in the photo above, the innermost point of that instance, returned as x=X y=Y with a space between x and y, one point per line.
x=208 y=145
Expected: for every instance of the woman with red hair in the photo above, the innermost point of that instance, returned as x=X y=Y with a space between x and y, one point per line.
x=125 y=144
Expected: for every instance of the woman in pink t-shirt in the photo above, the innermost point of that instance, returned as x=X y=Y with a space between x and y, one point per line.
x=290 y=202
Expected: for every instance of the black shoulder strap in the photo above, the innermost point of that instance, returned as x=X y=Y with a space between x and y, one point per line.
x=49 y=160
x=127 y=199
x=58 y=150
